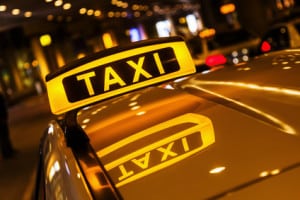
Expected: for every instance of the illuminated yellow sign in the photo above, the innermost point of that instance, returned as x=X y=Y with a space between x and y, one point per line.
x=163 y=153
x=117 y=72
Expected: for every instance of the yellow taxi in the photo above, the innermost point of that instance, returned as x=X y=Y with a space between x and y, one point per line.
x=137 y=122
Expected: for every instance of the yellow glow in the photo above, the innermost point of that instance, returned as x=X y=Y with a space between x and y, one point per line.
x=135 y=7
x=125 y=5
x=55 y=168
x=60 y=59
x=80 y=55
x=90 y=12
x=182 y=20
x=67 y=6
x=82 y=11
x=95 y=112
x=264 y=174
x=97 y=13
x=141 y=113
x=87 y=120
x=275 y=171
x=135 y=107
x=15 y=11
x=41 y=60
x=3 y=8
x=58 y=99
x=227 y=8
x=28 y=14
x=217 y=170
x=202 y=125
x=110 y=14
x=58 y=3
x=45 y=40
x=287 y=67
x=132 y=104
x=35 y=63
x=107 y=40
x=135 y=97
x=124 y=14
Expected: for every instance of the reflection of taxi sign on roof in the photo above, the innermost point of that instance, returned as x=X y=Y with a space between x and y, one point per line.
x=117 y=71
x=192 y=133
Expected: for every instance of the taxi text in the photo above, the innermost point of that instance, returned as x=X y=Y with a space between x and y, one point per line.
x=157 y=158
x=121 y=73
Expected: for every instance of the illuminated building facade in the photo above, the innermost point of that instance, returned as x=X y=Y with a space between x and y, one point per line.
x=30 y=51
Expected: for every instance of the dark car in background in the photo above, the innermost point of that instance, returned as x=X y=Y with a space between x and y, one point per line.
x=232 y=47
x=281 y=36
x=139 y=123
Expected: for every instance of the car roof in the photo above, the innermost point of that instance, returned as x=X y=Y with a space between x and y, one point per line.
x=244 y=118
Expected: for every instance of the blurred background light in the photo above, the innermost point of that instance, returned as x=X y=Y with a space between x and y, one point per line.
x=45 y=40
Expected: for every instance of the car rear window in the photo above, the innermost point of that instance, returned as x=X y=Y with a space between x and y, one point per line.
x=278 y=38
x=229 y=38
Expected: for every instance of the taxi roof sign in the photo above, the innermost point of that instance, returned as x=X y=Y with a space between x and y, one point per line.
x=117 y=71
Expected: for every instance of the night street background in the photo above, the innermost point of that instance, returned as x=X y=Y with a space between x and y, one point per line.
x=27 y=121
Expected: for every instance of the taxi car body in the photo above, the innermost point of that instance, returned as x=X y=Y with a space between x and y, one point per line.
x=166 y=132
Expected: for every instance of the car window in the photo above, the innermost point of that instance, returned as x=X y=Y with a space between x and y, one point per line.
x=220 y=40
x=278 y=38
x=228 y=38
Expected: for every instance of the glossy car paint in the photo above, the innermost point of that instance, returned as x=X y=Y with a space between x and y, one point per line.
x=63 y=177
x=253 y=109
x=246 y=136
